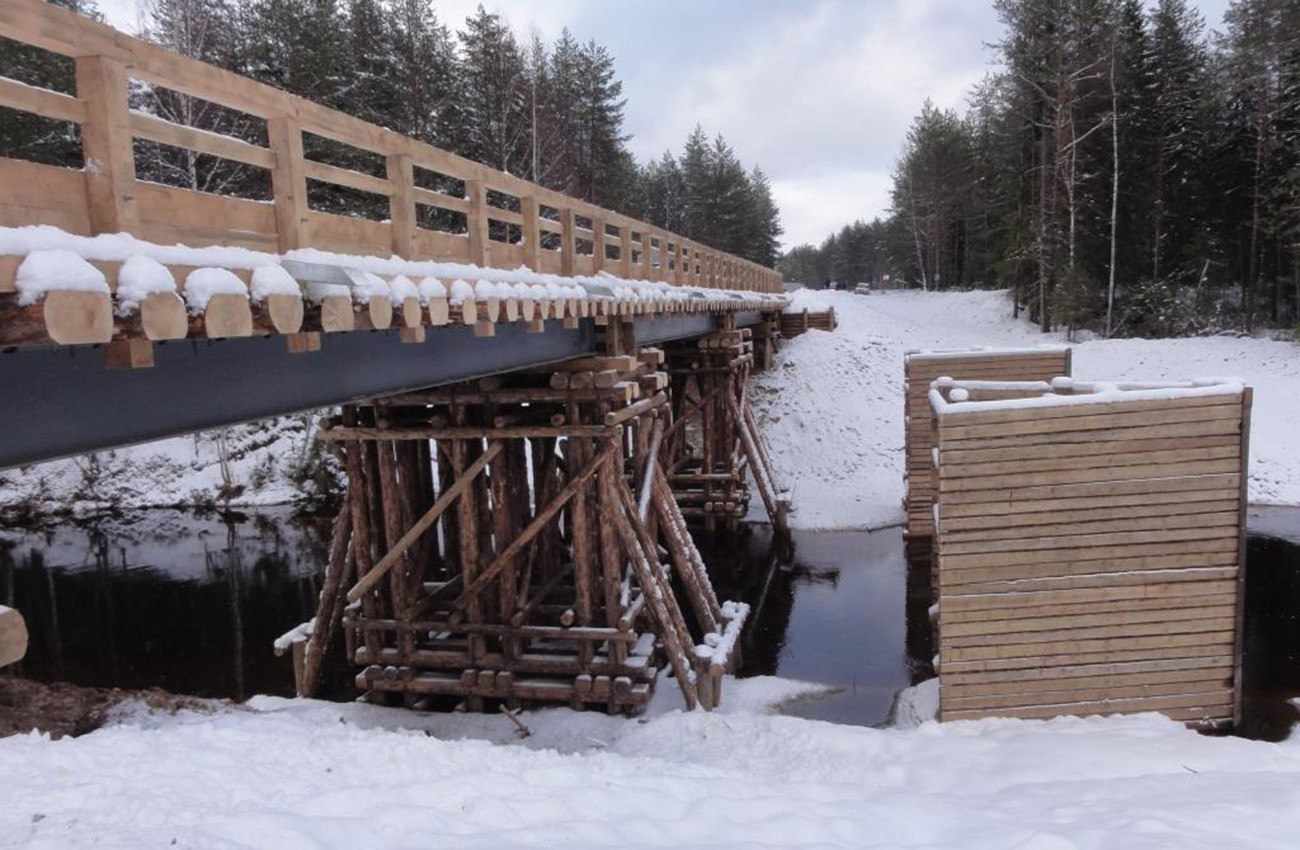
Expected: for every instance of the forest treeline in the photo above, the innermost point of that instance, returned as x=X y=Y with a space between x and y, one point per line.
x=1121 y=169
x=552 y=113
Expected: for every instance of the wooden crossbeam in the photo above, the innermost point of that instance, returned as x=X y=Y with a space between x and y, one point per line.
x=423 y=523
x=539 y=522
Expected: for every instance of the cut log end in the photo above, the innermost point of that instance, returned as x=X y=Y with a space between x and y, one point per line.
x=162 y=316
x=228 y=316
x=78 y=318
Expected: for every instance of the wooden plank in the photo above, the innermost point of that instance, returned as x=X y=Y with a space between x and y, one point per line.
x=1209 y=633
x=1045 y=461
x=955 y=456
x=1009 y=681
x=1010 y=482
x=1104 y=693
x=106 y=145
x=177 y=135
x=1214 y=552
x=327 y=173
x=970 y=426
x=401 y=203
x=1031 y=495
x=1088 y=408
x=1075 y=623
x=430 y=198
x=1087 y=580
x=1207 y=649
x=40 y=101
x=1027 y=522
x=1054 y=694
x=1225 y=515
x=978 y=606
x=1213 y=704
x=1044 y=616
x=1206 y=527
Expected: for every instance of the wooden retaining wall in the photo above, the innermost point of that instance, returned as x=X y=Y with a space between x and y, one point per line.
x=920 y=369
x=1090 y=548
x=795 y=322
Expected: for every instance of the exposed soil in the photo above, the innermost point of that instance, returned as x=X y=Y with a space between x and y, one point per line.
x=61 y=709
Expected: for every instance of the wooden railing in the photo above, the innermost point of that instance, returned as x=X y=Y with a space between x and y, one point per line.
x=106 y=197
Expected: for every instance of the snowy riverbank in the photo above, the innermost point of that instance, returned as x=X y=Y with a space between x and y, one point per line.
x=295 y=774
x=832 y=408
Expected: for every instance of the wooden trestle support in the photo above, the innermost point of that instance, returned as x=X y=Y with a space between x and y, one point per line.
x=501 y=544
x=714 y=441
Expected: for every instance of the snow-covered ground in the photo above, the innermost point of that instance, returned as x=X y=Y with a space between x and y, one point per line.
x=263 y=459
x=832 y=408
x=316 y=775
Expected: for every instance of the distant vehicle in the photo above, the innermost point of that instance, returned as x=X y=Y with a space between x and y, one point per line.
x=862 y=289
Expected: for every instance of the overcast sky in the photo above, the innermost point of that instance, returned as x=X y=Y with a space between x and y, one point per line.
x=818 y=92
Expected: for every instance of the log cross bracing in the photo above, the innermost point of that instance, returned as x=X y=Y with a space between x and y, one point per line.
x=545 y=583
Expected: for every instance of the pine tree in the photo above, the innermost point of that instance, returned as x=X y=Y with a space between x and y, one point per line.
x=30 y=137
x=496 y=128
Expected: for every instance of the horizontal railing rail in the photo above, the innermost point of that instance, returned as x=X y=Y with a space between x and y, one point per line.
x=106 y=196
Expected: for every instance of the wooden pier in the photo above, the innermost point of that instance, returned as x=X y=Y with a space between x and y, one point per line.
x=920 y=370
x=1090 y=548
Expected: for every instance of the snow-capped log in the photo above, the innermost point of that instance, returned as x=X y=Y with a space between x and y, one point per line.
x=433 y=299
x=276 y=301
x=372 y=301
x=147 y=303
x=55 y=297
x=218 y=305
x=406 y=301
x=328 y=308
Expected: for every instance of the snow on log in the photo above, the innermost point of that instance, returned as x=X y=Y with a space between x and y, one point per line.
x=328 y=309
x=218 y=304
x=433 y=296
x=59 y=298
x=405 y=297
x=147 y=303
x=372 y=301
x=276 y=301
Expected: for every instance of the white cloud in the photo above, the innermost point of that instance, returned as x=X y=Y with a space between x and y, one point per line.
x=813 y=206
x=821 y=96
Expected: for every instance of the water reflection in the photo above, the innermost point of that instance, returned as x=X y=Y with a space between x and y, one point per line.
x=833 y=613
x=192 y=603
x=163 y=599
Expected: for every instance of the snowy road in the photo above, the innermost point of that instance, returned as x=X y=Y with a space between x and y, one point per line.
x=312 y=775
x=832 y=409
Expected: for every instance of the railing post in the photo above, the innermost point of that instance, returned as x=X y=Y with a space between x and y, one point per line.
x=477 y=222
x=106 y=145
x=625 y=249
x=532 y=233
x=288 y=183
x=568 y=242
x=401 y=204
x=597 y=245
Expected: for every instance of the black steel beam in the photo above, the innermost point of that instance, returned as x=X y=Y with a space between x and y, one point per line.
x=58 y=402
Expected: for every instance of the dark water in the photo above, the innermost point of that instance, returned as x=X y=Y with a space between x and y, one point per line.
x=192 y=604
x=834 y=610
x=164 y=599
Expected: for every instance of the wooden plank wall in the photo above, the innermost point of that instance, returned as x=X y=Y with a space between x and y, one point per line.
x=107 y=198
x=1090 y=558
x=920 y=369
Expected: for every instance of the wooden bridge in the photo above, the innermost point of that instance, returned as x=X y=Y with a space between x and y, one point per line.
x=669 y=287
x=537 y=395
